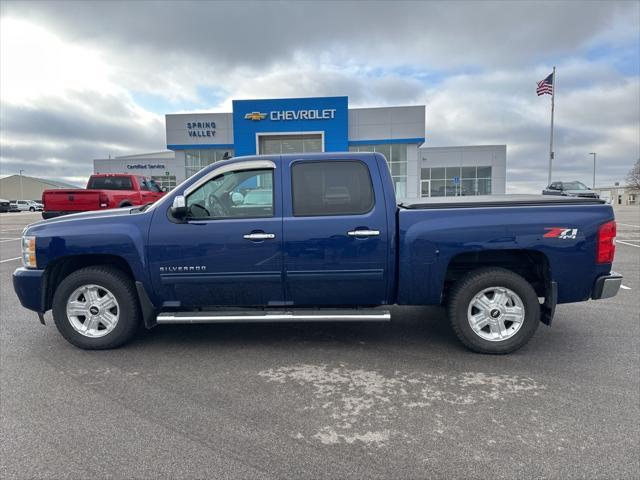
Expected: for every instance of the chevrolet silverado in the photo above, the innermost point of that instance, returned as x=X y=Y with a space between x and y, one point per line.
x=316 y=237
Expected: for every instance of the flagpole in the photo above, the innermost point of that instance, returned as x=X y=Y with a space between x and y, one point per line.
x=553 y=95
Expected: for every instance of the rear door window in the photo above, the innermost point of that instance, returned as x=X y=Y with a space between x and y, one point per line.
x=110 y=183
x=331 y=188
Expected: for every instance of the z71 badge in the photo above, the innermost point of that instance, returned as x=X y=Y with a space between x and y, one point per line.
x=561 y=232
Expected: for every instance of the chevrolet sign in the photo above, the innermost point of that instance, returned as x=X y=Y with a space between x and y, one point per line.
x=325 y=114
x=278 y=115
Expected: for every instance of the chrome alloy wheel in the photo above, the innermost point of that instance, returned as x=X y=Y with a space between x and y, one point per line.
x=93 y=311
x=496 y=314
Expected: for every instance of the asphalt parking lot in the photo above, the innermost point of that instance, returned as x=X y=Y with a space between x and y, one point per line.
x=398 y=400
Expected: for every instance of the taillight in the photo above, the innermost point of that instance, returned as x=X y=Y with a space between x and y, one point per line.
x=606 y=243
x=104 y=200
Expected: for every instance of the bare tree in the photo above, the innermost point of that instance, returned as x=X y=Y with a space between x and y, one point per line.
x=633 y=177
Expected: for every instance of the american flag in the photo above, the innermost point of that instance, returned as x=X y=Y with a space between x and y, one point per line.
x=545 y=87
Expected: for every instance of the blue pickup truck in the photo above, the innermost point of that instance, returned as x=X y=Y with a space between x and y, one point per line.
x=316 y=237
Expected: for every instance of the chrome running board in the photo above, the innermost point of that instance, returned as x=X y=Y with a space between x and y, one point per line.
x=355 y=315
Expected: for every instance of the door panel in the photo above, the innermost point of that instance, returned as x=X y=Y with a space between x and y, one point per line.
x=211 y=263
x=338 y=259
x=221 y=261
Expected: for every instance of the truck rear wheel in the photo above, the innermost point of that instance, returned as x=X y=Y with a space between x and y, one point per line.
x=493 y=310
x=96 y=308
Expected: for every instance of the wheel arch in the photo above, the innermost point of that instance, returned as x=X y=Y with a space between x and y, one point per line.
x=62 y=267
x=532 y=265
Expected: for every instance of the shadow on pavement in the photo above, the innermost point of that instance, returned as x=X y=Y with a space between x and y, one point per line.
x=417 y=326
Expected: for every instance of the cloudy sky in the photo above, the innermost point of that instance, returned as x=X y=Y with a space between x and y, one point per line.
x=83 y=80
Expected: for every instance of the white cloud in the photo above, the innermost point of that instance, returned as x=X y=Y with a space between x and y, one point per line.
x=37 y=63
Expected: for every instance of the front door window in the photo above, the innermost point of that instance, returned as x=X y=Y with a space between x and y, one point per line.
x=239 y=194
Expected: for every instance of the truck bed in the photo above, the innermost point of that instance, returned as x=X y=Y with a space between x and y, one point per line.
x=480 y=201
x=432 y=233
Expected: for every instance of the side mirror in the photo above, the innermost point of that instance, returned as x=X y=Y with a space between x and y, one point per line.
x=179 y=207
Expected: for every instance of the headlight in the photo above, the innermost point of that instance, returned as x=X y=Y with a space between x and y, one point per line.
x=29 y=251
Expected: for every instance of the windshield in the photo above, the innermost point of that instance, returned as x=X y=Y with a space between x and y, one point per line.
x=575 y=186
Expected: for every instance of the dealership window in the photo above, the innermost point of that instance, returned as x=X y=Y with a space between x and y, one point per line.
x=165 y=181
x=396 y=156
x=275 y=145
x=455 y=181
x=196 y=160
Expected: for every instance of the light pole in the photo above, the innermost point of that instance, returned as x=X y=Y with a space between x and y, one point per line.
x=21 y=191
x=594 y=168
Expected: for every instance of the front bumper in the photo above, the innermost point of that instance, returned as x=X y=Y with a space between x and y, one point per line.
x=607 y=286
x=27 y=283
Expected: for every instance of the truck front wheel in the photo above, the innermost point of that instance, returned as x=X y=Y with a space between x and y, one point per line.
x=96 y=308
x=493 y=310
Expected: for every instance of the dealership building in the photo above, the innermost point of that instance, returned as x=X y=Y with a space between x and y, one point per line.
x=321 y=124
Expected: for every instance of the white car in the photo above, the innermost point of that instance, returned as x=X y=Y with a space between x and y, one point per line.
x=25 y=206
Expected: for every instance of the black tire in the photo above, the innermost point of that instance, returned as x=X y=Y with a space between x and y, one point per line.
x=31 y=209
x=473 y=283
x=120 y=285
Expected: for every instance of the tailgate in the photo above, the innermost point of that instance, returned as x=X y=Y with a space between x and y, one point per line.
x=71 y=200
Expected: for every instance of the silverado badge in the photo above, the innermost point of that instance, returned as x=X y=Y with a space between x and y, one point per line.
x=183 y=268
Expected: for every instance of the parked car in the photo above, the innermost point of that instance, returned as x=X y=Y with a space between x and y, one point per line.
x=103 y=191
x=5 y=205
x=25 y=206
x=570 y=189
x=35 y=206
x=322 y=239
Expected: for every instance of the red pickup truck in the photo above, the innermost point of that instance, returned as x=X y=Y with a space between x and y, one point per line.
x=109 y=190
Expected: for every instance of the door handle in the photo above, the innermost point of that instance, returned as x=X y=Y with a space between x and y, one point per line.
x=259 y=236
x=363 y=233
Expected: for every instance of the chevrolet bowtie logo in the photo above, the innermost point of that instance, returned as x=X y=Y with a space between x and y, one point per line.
x=255 y=116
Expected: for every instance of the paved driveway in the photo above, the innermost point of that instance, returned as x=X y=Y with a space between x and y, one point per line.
x=398 y=400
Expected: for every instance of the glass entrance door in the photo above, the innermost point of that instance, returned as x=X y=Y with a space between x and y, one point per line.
x=277 y=144
x=425 y=188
